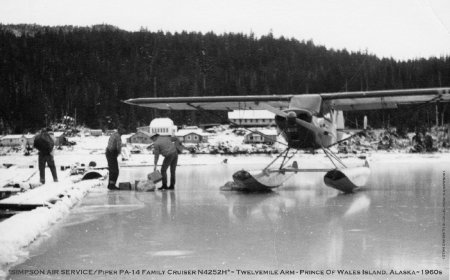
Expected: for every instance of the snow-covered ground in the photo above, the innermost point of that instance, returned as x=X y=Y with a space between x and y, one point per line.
x=18 y=231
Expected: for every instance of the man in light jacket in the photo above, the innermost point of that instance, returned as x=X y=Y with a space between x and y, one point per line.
x=168 y=147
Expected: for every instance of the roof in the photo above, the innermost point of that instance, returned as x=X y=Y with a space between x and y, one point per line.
x=142 y=132
x=125 y=137
x=250 y=114
x=161 y=122
x=184 y=132
x=267 y=132
x=13 y=136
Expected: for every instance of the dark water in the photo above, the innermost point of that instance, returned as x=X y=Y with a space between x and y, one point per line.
x=396 y=223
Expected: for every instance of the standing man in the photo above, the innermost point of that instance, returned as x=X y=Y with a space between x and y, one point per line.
x=44 y=143
x=112 y=152
x=169 y=148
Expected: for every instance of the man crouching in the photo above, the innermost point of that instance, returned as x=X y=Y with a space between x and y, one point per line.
x=168 y=147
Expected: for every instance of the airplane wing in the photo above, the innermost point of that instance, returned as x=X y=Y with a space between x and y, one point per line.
x=383 y=99
x=227 y=103
x=343 y=101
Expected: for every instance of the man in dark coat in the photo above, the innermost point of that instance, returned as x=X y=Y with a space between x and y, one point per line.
x=44 y=143
x=113 y=150
x=428 y=142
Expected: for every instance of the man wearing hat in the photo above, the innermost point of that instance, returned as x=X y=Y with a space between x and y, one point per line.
x=168 y=147
x=112 y=152
x=44 y=143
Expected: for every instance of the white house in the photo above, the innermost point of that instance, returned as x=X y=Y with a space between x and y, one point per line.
x=266 y=136
x=252 y=117
x=14 y=140
x=163 y=126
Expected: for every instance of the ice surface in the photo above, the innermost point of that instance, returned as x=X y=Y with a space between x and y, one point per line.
x=393 y=223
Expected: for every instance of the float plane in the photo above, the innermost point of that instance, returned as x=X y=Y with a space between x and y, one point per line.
x=306 y=121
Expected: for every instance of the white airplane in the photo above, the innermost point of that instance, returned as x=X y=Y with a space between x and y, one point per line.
x=306 y=121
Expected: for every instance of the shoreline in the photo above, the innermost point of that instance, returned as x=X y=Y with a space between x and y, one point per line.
x=66 y=158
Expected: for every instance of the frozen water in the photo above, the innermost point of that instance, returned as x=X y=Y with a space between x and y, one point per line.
x=395 y=222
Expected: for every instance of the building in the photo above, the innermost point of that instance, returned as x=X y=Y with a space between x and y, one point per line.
x=14 y=140
x=144 y=129
x=140 y=137
x=59 y=138
x=30 y=139
x=96 y=132
x=162 y=126
x=252 y=118
x=125 y=138
x=208 y=125
x=192 y=135
x=110 y=132
x=261 y=136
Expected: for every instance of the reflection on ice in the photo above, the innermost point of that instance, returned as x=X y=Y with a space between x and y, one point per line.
x=361 y=203
x=86 y=214
x=173 y=253
x=253 y=206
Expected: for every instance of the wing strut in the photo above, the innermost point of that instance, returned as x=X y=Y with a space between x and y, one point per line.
x=332 y=156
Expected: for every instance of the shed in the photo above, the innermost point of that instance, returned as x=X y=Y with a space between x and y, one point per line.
x=14 y=140
x=140 y=137
x=96 y=132
x=266 y=136
x=59 y=138
x=110 y=132
x=192 y=135
x=125 y=138
x=30 y=138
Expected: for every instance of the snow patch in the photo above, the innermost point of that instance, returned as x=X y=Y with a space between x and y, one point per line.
x=21 y=229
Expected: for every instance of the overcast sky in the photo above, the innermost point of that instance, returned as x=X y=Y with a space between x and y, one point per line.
x=402 y=29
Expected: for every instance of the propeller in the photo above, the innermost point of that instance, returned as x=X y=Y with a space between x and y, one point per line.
x=317 y=130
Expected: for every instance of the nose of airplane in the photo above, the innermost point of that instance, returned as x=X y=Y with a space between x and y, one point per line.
x=291 y=115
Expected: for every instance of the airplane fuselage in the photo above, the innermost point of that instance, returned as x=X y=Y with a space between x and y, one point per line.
x=300 y=137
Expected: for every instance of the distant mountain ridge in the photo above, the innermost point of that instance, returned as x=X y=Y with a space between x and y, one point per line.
x=50 y=72
x=31 y=29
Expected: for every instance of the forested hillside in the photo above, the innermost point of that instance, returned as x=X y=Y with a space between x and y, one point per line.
x=49 y=72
